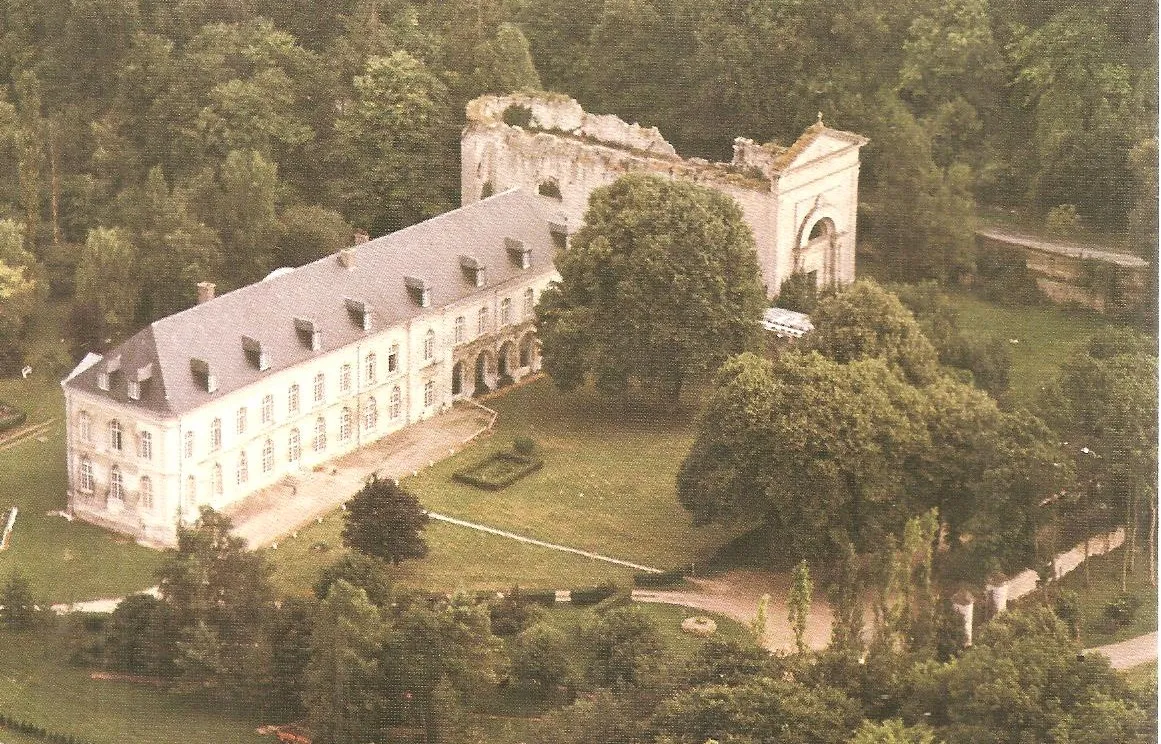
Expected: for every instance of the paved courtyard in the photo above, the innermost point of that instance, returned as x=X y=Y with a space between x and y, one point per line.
x=298 y=500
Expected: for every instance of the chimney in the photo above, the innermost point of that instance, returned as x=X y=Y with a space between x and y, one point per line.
x=347 y=258
x=361 y=237
x=205 y=292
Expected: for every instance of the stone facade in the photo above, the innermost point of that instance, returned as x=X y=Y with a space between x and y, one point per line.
x=800 y=202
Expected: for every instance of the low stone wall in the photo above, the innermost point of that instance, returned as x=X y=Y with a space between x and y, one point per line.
x=1028 y=580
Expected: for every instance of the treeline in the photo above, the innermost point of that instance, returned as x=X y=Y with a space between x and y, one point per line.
x=150 y=145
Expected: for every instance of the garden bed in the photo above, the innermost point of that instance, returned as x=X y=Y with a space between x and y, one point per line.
x=500 y=470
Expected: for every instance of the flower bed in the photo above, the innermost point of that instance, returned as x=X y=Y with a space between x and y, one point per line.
x=499 y=471
x=11 y=416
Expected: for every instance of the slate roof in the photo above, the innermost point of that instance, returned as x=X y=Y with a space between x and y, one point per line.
x=318 y=291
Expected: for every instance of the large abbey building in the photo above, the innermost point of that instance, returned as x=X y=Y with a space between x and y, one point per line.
x=212 y=404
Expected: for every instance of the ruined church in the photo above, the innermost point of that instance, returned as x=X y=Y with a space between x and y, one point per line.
x=800 y=201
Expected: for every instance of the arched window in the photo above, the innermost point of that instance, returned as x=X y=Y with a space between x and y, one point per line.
x=267 y=456
x=191 y=496
x=428 y=344
x=371 y=368
x=320 y=434
x=428 y=394
x=267 y=408
x=216 y=481
x=215 y=435
x=116 y=484
x=345 y=378
x=370 y=414
x=396 y=403
x=145 y=445
x=482 y=321
x=146 y=491
x=459 y=329
x=242 y=415
x=86 y=474
x=294 y=446
x=529 y=303
x=393 y=358
x=526 y=351
x=85 y=426
x=292 y=399
x=243 y=473
x=189 y=445
x=505 y=311
x=320 y=387
x=345 y=424
x=116 y=440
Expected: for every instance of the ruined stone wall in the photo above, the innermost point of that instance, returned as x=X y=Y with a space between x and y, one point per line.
x=561 y=144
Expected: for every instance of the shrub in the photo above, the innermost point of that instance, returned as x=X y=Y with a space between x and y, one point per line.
x=499 y=470
x=1122 y=610
x=587 y=596
x=513 y=613
x=659 y=580
x=524 y=446
x=1067 y=608
x=518 y=116
x=1062 y=219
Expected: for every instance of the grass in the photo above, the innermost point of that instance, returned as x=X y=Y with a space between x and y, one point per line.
x=607 y=486
x=1104 y=586
x=1047 y=334
x=38 y=685
x=1142 y=676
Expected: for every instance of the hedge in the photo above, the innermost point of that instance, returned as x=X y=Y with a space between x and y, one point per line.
x=659 y=580
x=11 y=416
x=472 y=476
x=543 y=597
x=585 y=596
x=24 y=727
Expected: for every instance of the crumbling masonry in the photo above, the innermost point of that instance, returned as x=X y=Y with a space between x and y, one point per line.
x=800 y=201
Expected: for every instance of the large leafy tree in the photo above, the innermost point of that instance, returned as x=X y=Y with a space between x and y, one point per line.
x=815 y=448
x=393 y=147
x=659 y=286
x=385 y=520
x=107 y=276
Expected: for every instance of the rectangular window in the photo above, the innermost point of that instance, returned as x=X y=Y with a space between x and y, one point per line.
x=372 y=370
x=482 y=321
x=292 y=399
x=86 y=474
x=428 y=393
x=345 y=378
x=459 y=329
x=393 y=358
x=145 y=445
x=505 y=311
x=529 y=303
x=428 y=345
x=267 y=409
x=242 y=420
x=268 y=456
x=189 y=445
x=320 y=387
x=216 y=434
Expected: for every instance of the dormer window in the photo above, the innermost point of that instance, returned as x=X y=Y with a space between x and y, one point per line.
x=474 y=270
x=558 y=228
x=309 y=333
x=134 y=390
x=518 y=253
x=360 y=312
x=112 y=364
x=419 y=290
x=257 y=358
x=103 y=381
x=142 y=375
x=203 y=374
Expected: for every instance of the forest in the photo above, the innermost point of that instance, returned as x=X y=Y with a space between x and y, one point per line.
x=150 y=145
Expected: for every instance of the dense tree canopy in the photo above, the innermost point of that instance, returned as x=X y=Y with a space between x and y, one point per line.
x=384 y=520
x=659 y=286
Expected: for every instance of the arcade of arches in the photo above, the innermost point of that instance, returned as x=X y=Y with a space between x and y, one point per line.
x=495 y=361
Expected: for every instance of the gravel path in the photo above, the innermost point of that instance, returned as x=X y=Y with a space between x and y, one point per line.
x=1130 y=653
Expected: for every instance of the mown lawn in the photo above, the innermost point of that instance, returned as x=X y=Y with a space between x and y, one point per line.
x=1141 y=677
x=607 y=486
x=1045 y=335
x=64 y=561
x=38 y=685
x=1104 y=586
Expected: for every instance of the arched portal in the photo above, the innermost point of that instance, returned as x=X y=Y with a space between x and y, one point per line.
x=824 y=228
x=457 y=386
x=483 y=374
x=527 y=351
x=503 y=360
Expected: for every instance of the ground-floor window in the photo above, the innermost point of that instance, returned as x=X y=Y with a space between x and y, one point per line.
x=345 y=425
x=191 y=495
x=428 y=393
x=396 y=403
x=267 y=456
x=86 y=474
x=218 y=486
x=370 y=414
x=320 y=434
x=294 y=446
x=116 y=484
x=243 y=469
x=146 y=492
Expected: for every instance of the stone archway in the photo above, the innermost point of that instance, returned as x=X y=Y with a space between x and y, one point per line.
x=503 y=360
x=484 y=373
x=527 y=352
x=824 y=228
x=457 y=385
